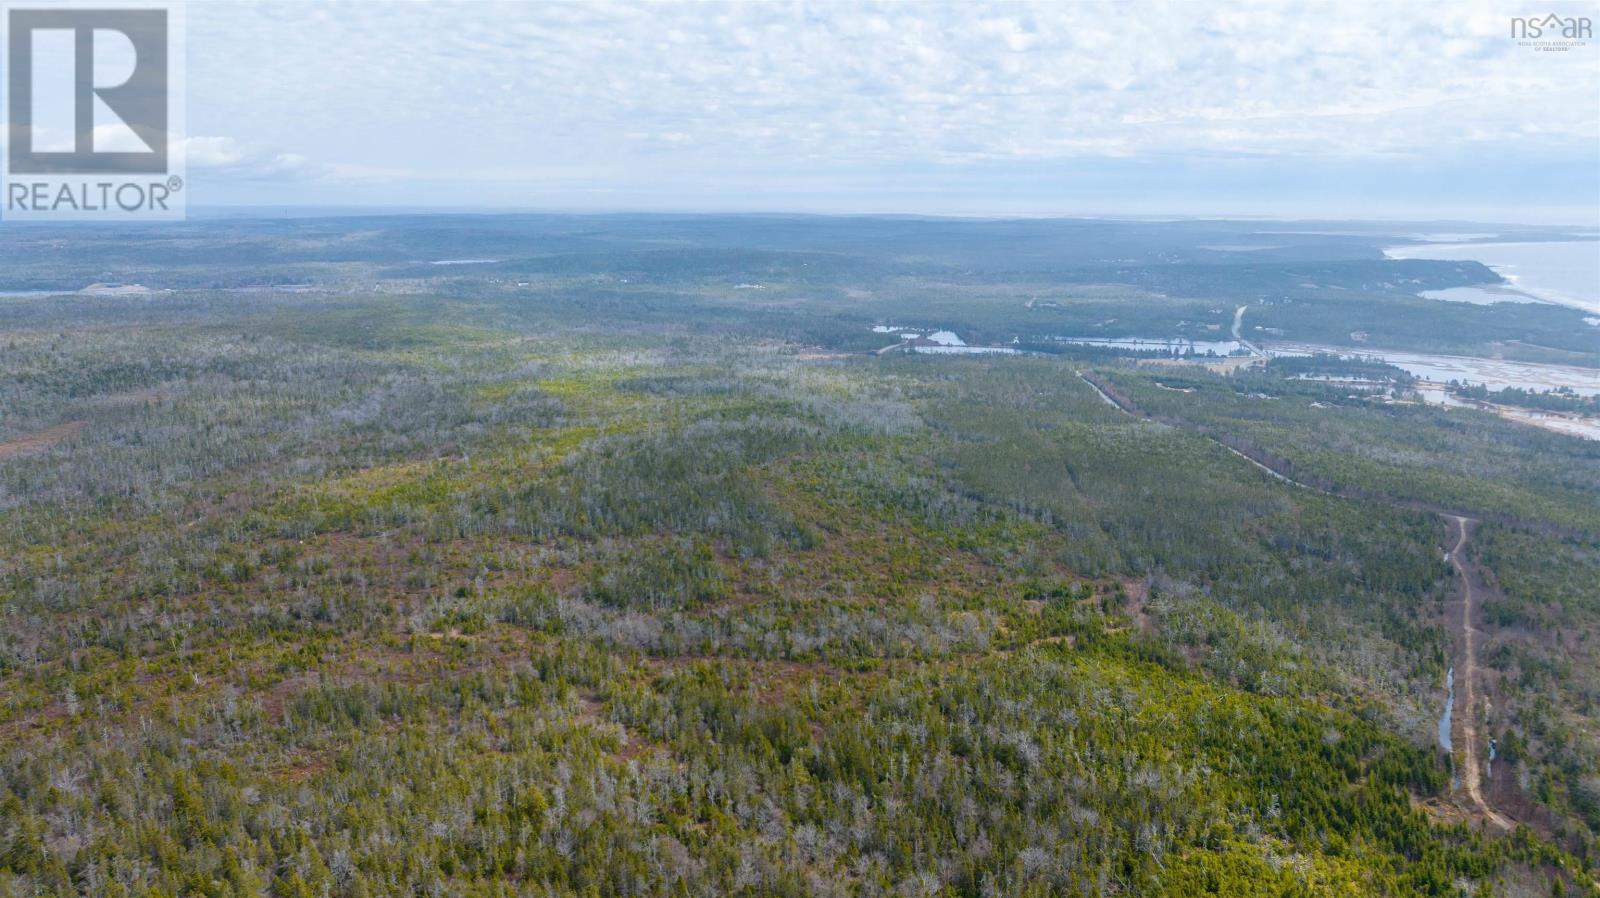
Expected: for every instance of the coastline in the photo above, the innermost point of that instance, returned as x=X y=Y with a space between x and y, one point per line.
x=1515 y=283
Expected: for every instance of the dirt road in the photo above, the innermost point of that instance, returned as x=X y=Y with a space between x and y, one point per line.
x=1102 y=394
x=1238 y=326
x=1467 y=673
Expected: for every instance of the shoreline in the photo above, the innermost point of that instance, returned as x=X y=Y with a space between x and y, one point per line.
x=1493 y=373
x=1573 y=424
x=1513 y=283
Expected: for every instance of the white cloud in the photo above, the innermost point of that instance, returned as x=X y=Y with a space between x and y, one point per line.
x=228 y=156
x=450 y=91
x=212 y=152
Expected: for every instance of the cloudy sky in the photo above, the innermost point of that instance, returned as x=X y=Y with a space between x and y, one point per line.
x=1190 y=108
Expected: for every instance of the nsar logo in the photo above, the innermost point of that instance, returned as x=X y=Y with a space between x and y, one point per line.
x=1552 y=32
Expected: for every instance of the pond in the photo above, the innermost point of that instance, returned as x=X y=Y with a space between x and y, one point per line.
x=1449 y=709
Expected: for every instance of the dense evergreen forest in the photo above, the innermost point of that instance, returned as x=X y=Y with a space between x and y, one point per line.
x=626 y=564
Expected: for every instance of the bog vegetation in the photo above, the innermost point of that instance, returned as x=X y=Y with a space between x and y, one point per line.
x=590 y=577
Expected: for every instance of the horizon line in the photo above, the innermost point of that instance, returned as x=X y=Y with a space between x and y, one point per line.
x=363 y=209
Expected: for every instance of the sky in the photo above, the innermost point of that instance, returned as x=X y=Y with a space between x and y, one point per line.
x=1346 y=110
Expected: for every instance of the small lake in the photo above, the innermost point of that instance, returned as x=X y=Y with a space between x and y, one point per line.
x=939 y=342
x=1481 y=296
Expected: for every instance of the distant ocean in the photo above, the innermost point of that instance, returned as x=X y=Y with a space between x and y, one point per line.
x=1566 y=273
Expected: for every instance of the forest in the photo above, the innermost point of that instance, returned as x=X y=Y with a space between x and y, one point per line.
x=626 y=565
